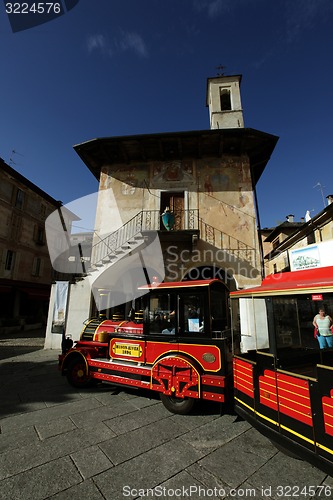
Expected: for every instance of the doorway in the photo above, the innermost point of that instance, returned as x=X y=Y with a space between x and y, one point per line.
x=175 y=201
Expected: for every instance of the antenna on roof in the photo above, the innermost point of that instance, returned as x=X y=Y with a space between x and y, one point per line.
x=322 y=192
x=220 y=69
x=11 y=161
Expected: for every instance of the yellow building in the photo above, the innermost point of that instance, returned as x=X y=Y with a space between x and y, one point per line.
x=290 y=236
x=25 y=268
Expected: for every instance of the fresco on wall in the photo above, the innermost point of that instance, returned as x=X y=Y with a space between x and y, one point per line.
x=129 y=182
x=224 y=175
x=173 y=174
x=224 y=187
x=226 y=200
x=130 y=179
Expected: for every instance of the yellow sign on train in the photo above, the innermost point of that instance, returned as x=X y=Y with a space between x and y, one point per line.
x=126 y=349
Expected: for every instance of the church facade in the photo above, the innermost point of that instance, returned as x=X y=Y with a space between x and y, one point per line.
x=173 y=207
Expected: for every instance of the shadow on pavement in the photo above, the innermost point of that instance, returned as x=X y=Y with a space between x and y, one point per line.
x=31 y=385
x=28 y=385
x=19 y=343
x=34 y=381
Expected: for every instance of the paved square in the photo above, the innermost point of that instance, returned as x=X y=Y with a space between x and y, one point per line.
x=61 y=443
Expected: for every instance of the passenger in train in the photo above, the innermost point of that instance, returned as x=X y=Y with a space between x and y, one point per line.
x=324 y=325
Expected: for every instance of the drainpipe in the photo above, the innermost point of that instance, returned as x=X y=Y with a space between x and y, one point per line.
x=261 y=250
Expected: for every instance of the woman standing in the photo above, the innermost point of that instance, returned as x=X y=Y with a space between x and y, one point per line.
x=323 y=323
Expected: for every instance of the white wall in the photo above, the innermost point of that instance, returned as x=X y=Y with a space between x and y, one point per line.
x=79 y=304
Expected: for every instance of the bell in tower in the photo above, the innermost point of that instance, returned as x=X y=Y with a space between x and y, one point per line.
x=224 y=102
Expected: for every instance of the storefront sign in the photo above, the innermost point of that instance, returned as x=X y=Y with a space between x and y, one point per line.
x=311 y=256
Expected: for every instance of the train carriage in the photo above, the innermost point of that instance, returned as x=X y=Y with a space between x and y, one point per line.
x=283 y=381
x=176 y=340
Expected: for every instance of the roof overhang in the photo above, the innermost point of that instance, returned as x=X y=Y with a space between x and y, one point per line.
x=290 y=227
x=199 y=144
x=305 y=229
x=307 y=281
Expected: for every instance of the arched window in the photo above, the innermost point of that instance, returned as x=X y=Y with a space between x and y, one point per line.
x=225 y=99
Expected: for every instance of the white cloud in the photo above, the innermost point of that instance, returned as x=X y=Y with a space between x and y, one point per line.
x=305 y=14
x=125 y=41
x=212 y=7
x=216 y=7
x=96 y=42
x=134 y=42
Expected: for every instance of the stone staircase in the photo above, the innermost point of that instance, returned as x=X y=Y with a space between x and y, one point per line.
x=116 y=254
x=132 y=237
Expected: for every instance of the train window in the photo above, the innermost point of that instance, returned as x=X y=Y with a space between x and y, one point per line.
x=290 y=322
x=192 y=313
x=293 y=319
x=286 y=322
x=219 y=312
x=160 y=314
x=251 y=316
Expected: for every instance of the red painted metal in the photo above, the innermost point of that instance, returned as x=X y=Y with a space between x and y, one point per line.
x=327 y=403
x=179 y=377
x=296 y=280
x=268 y=389
x=243 y=377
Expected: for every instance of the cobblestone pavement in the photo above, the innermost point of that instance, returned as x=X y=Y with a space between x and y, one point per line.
x=106 y=443
x=17 y=343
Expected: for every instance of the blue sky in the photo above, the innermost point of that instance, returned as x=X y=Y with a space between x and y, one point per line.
x=122 y=67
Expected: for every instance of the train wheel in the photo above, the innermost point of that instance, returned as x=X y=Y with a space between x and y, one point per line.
x=77 y=375
x=181 y=406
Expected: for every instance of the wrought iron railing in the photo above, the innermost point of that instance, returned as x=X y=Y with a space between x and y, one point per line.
x=147 y=220
x=224 y=241
x=150 y=220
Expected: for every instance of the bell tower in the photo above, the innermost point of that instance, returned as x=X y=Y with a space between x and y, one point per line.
x=224 y=102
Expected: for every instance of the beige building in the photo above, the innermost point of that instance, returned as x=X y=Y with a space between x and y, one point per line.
x=205 y=179
x=292 y=235
x=25 y=268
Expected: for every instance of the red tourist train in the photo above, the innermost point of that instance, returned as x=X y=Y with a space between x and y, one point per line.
x=283 y=382
x=179 y=342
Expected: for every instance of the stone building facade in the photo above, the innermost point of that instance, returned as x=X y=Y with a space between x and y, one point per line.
x=25 y=268
x=204 y=179
x=291 y=235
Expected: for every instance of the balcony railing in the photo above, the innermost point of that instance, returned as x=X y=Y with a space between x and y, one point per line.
x=223 y=241
x=150 y=220
x=147 y=220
